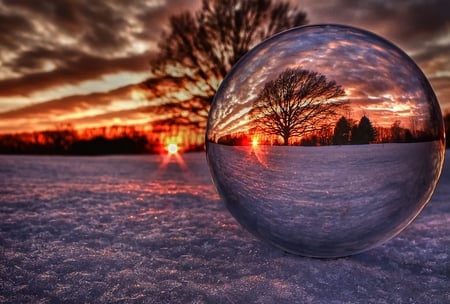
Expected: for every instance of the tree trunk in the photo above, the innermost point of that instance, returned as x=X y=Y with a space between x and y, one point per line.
x=285 y=140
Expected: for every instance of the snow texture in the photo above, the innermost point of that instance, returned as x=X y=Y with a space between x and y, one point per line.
x=327 y=201
x=148 y=229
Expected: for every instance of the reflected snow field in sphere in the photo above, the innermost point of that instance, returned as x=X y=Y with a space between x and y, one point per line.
x=325 y=140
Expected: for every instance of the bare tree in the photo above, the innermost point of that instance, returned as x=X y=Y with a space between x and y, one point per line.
x=200 y=48
x=296 y=103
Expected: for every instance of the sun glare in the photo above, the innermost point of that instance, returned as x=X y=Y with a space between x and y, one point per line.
x=172 y=149
x=173 y=155
x=254 y=143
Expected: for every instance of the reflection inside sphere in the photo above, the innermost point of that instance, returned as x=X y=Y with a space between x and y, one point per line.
x=325 y=140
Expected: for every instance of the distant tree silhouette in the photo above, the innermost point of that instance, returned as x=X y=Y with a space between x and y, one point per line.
x=200 y=48
x=354 y=136
x=235 y=140
x=103 y=146
x=323 y=137
x=396 y=131
x=342 y=131
x=296 y=103
x=65 y=140
x=364 y=133
x=400 y=134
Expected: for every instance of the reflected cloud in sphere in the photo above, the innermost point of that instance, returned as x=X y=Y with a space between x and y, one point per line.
x=325 y=140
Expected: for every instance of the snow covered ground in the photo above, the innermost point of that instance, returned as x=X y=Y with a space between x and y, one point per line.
x=326 y=201
x=148 y=229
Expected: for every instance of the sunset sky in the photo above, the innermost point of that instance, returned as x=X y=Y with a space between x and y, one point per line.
x=82 y=62
x=379 y=80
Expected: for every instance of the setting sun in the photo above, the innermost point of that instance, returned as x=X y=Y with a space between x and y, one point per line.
x=254 y=143
x=172 y=149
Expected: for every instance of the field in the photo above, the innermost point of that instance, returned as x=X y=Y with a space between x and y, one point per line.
x=151 y=229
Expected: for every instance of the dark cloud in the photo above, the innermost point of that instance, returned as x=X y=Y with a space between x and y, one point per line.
x=45 y=44
x=101 y=36
x=101 y=25
x=70 y=103
x=419 y=19
x=72 y=68
x=85 y=102
x=405 y=22
x=434 y=58
x=10 y=28
x=60 y=12
x=77 y=110
x=156 y=20
x=441 y=87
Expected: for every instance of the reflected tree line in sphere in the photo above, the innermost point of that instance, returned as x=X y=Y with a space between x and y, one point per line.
x=346 y=131
x=302 y=107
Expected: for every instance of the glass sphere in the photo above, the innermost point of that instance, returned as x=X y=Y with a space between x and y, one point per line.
x=325 y=140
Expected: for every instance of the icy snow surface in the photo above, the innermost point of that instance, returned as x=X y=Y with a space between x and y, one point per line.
x=148 y=229
x=327 y=201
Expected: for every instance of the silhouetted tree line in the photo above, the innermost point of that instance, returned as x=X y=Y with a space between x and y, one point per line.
x=57 y=144
x=69 y=142
x=346 y=132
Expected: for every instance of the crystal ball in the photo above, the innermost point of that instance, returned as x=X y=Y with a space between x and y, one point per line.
x=325 y=140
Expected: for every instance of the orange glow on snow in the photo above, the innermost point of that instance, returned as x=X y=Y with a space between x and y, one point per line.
x=260 y=152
